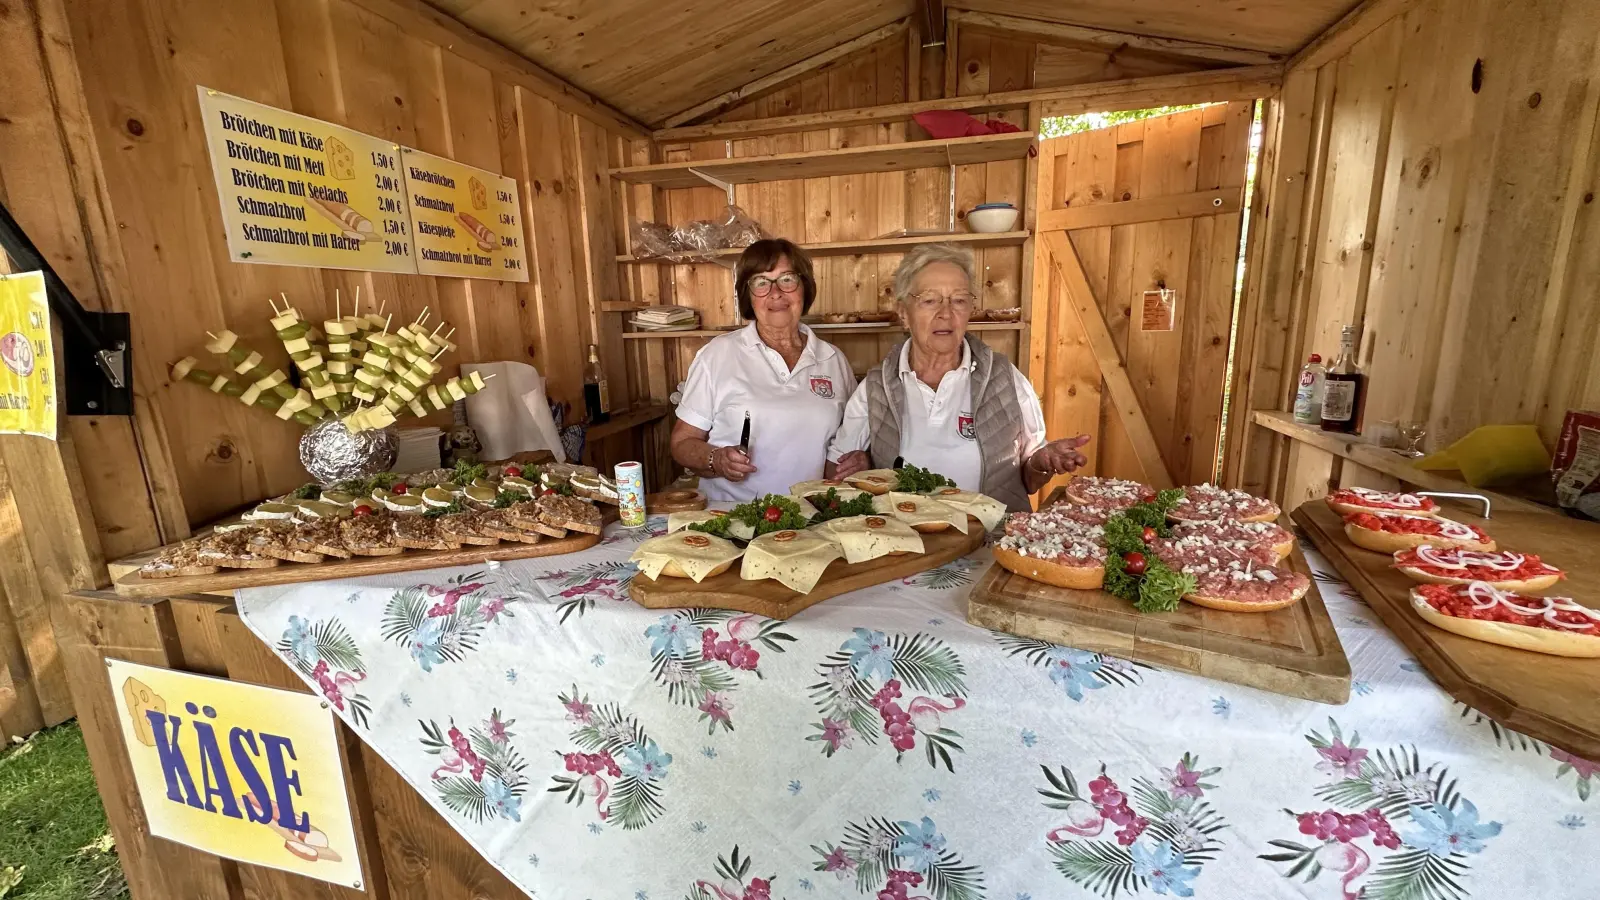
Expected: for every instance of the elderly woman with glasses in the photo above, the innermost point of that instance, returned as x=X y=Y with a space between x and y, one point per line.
x=790 y=384
x=944 y=401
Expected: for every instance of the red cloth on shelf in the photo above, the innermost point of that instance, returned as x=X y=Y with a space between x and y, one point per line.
x=949 y=123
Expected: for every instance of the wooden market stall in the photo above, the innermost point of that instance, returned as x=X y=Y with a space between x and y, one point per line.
x=1425 y=169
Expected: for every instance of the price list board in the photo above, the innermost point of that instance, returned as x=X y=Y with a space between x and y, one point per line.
x=298 y=191
x=467 y=221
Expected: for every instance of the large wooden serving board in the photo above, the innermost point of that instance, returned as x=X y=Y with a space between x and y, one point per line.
x=227 y=581
x=773 y=600
x=1552 y=698
x=1292 y=651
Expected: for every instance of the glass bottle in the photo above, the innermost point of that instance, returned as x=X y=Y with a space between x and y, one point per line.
x=596 y=397
x=1344 y=396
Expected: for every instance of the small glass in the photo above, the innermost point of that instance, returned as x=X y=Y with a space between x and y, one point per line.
x=1412 y=433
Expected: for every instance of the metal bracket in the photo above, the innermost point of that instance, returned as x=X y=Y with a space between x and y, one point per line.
x=726 y=186
x=96 y=360
x=1452 y=496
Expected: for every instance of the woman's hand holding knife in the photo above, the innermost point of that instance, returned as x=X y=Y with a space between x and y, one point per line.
x=733 y=463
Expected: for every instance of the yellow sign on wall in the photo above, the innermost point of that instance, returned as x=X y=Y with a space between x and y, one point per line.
x=298 y=191
x=238 y=770
x=27 y=380
x=467 y=220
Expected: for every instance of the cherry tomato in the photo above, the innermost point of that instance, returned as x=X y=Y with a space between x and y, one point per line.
x=512 y=472
x=773 y=514
x=362 y=510
x=545 y=492
x=1133 y=562
x=1148 y=535
x=399 y=488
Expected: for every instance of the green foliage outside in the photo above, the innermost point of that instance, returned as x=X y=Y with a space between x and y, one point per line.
x=54 y=842
x=1059 y=126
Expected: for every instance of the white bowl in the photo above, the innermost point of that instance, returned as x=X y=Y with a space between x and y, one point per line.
x=993 y=219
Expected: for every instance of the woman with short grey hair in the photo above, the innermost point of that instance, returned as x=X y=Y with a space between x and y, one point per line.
x=944 y=401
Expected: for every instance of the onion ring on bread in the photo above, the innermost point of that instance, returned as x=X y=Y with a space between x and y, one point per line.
x=1346 y=501
x=1579 y=636
x=1389 y=532
x=1504 y=570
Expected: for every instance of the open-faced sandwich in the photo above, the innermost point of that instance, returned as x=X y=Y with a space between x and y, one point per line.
x=1267 y=542
x=680 y=520
x=1481 y=611
x=177 y=561
x=231 y=550
x=462 y=528
x=1207 y=502
x=923 y=513
x=499 y=523
x=1232 y=581
x=685 y=554
x=1389 y=532
x=570 y=513
x=869 y=537
x=369 y=532
x=420 y=532
x=821 y=486
x=1114 y=493
x=276 y=539
x=1053 y=550
x=874 y=481
x=1504 y=570
x=1346 y=501
x=321 y=536
x=985 y=509
x=795 y=559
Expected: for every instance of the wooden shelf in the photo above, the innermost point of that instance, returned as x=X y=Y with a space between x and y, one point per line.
x=628 y=419
x=823 y=163
x=846 y=248
x=1388 y=462
x=847 y=329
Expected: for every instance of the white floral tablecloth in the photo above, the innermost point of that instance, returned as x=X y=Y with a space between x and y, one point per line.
x=878 y=746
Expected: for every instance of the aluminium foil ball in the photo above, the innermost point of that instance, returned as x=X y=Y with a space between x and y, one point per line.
x=331 y=453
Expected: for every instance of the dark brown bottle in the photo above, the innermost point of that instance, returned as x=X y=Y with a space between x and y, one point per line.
x=596 y=399
x=1345 y=395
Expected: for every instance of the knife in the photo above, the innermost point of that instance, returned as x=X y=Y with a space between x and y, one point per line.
x=899 y=463
x=744 y=436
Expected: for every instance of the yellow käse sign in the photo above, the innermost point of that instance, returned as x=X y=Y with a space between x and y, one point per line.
x=298 y=191
x=27 y=378
x=467 y=220
x=238 y=770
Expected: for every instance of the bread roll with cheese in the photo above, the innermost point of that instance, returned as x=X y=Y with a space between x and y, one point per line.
x=925 y=514
x=822 y=486
x=680 y=520
x=984 y=508
x=685 y=554
x=869 y=537
x=795 y=559
x=875 y=481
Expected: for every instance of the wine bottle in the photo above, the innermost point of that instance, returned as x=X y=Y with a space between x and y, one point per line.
x=596 y=398
x=1344 y=396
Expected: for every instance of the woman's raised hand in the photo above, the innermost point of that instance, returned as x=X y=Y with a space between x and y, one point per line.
x=851 y=463
x=1059 y=457
x=731 y=463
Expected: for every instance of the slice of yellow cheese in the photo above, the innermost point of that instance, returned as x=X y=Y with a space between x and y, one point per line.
x=869 y=537
x=879 y=478
x=915 y=509
x=794 y=559
x=986 y=509
x=695 y=553
x=680 y=520
x=821 y=485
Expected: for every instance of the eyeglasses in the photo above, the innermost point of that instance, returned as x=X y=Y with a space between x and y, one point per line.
x=761 y=285
x=961 y=301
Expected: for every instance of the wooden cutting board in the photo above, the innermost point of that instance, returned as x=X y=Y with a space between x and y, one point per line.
x=1292 y=651
x=1552 y=698
x=226 y=581
x=773 y=600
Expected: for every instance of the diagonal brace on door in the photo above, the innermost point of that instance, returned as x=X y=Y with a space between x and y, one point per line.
x=1080 y=297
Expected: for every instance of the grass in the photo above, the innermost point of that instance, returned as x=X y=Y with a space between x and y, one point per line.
x=52 y=823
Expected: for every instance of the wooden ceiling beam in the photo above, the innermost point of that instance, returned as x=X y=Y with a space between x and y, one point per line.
x=932 y=13
x=1347 y=32
x=1213 y=85
x=420 y=20
x=786 y=74
x=1112 y=40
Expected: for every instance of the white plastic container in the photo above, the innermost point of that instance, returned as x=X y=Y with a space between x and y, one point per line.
x=1308 y=395
x=988 y=219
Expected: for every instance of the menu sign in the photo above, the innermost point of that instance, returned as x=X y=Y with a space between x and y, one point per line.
x=467 y=220
x=298 y=191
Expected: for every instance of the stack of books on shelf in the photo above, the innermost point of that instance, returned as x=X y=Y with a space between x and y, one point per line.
x=665 y=318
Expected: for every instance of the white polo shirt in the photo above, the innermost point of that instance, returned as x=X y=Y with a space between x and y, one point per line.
x=938 y=432
x=793 y=414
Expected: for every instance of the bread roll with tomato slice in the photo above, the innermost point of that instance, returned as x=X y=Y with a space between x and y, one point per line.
x=1390 y=532
x=1554 y=625
x=1502 y=569
x=1348 y=501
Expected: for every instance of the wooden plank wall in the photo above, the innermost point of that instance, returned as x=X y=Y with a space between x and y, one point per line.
x=338 y=60
x=837 y=208
x=1177 y=375
x=1451 y=155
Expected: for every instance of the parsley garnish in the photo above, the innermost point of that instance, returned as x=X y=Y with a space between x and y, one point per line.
x=1160 y=587
x=436 y=512
x=307 y=492
x=507 y=498
x=717 y=526
x=830 y=506
x=754 y=514
x=912 y=480
x=363 y=487
x=466 y=473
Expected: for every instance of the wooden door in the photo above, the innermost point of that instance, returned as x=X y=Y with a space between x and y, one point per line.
x=1124 y=210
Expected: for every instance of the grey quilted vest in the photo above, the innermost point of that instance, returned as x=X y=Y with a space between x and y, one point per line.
x=997 y=419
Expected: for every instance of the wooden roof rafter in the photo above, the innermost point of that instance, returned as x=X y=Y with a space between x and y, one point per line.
x=1106 y=39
